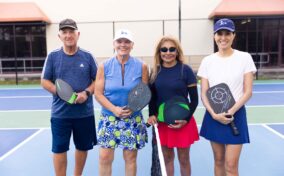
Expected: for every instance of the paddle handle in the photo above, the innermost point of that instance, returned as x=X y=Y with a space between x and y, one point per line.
x=233 y=126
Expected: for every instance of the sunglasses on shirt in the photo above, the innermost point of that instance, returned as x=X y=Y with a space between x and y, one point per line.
x=171 y=49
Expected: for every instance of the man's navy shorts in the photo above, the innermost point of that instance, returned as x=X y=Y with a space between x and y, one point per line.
x=82 y=129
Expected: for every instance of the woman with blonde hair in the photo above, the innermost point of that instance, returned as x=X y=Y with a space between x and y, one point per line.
x=171 y=77
x=119 y=127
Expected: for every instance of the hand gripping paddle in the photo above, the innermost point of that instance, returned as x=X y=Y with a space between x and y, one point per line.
x=65 y=91
x=221 y=100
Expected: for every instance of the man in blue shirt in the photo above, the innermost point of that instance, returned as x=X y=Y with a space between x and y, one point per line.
x=78 y=68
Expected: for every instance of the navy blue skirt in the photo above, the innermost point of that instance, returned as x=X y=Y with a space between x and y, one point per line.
x=220 y=133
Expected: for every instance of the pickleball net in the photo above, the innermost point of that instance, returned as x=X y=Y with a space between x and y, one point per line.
x=158 y=165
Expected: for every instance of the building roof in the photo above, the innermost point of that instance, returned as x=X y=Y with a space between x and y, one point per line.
x=248 y=8
x=21 y=12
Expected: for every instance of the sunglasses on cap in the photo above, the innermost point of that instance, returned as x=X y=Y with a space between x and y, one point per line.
x=171 y=49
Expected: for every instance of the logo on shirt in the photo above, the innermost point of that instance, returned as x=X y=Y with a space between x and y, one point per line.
x=81 y=65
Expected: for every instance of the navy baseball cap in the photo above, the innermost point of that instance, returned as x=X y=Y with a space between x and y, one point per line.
x=224 y=23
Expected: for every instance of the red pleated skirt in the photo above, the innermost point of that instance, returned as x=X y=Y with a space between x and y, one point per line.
x=181 y=138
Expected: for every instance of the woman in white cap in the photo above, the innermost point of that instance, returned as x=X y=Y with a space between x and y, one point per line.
x=236 y=69
x=120 y=127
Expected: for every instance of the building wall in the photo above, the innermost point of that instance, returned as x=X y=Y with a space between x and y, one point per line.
x=147 y=19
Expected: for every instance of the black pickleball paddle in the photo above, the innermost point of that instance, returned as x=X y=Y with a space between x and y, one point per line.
x=173 y=109
x=139 y=97
x=221 y=100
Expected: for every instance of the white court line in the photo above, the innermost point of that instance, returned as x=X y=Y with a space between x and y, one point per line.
x=49 y=96
x=264 y=106
x=98 y=109
x=8 y=97
x=252 y=106
x=28 y=128
x=260 y=124
x=39 y=110
x=273 y=131
x=271 y=83
x=20 y=145
x=267 y=92
x=21 y=88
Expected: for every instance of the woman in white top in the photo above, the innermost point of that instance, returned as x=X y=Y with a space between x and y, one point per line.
x=236 y=69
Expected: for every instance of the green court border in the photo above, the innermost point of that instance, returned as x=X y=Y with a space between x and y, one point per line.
x=41 y=119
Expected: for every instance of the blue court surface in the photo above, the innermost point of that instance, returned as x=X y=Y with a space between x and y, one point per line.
x=25 y=150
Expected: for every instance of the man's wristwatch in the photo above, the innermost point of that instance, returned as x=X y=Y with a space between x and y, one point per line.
x=88 y=93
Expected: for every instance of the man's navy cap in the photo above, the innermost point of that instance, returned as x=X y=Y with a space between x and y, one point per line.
x=68 y=23
x=224 y=23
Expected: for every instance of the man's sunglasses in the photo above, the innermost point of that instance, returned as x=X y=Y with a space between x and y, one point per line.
x=171 y=49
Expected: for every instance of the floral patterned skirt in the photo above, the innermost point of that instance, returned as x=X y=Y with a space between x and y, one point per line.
x=127 y=133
